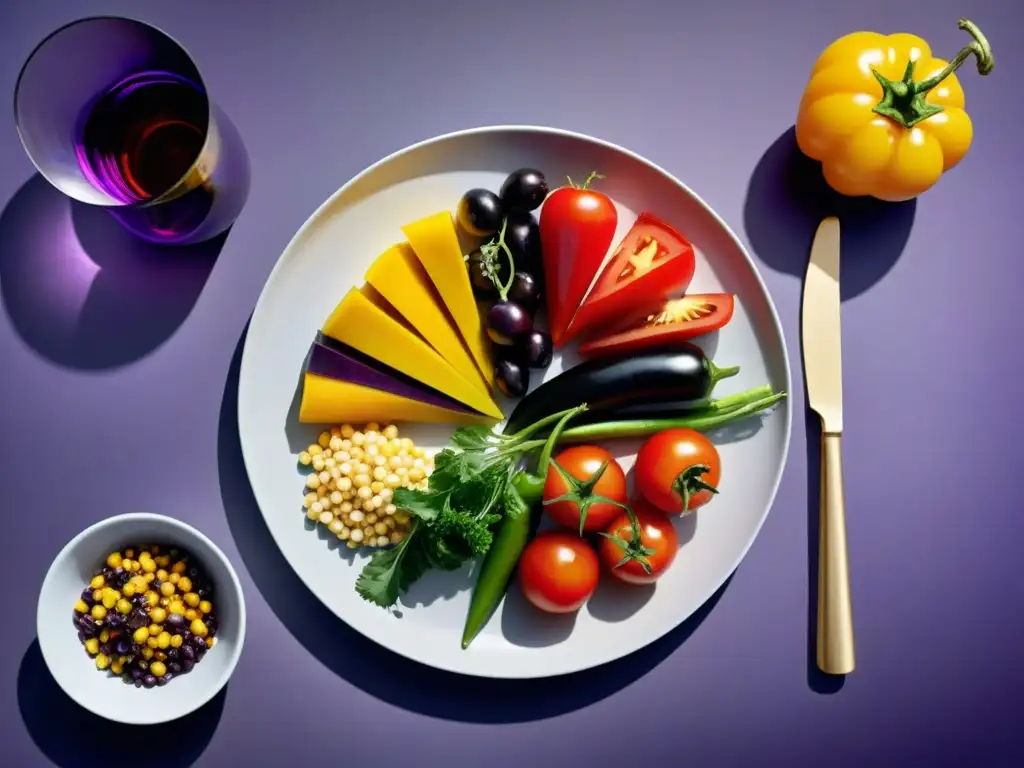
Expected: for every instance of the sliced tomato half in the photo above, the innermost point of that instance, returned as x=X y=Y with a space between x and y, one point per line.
x=676 y=320
x=652 y=262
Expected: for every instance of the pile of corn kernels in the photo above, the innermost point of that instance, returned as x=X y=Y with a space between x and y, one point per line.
x=353 y=476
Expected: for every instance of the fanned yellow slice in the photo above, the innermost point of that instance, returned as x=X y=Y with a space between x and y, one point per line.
x=330 y=401
x=356 y=321
x=436 y=244
x=399 y=277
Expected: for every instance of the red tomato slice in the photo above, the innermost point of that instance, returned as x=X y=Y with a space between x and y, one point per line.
x=676 y=320
x=652 y=262
x=576 y=229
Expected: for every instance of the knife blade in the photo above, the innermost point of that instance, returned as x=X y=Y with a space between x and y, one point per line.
x=822 y=341
x=823 y=375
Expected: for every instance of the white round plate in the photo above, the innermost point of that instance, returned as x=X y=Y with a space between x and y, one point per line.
x=331 y=253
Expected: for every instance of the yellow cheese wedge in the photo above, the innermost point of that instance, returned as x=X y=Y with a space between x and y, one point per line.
x=436 y=244
x=356 y=321
x=401 y=280
x=330 y=401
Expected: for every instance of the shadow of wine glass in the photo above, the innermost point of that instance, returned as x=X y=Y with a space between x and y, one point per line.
x=382 y=673
x=787 y=198
x=82 y=291
x=72 y=737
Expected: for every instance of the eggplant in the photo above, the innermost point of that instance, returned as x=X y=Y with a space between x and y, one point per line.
x=680 y=373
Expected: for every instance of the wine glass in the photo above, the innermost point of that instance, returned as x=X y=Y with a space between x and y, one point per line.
x=113 y=112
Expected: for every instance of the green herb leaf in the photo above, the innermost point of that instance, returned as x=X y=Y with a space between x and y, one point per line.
x=474 y=437
x=390 y=571
x=425 y=505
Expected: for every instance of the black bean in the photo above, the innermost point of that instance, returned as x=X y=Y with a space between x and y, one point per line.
x=187 y=665
x=193 y=573
x=175 y=621
x=164 y=680
x=88 y=626
x=137 y=672
x=123 y=646
x=149 y=681
x=105 y=649
x=187 y=653
x=81 y=637
x=173 y=653
x=87 y=596
x=114 y=620
x=198 y=642
x=174 y=667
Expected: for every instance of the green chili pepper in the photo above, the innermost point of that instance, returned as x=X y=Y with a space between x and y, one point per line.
x=522 y=504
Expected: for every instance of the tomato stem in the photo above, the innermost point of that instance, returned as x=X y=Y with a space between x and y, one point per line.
x=633 y=549
x=903 y=101
x=581 y=492
x=586 y=184
x=690 y=482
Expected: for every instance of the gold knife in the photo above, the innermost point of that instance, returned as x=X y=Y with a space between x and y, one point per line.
x=823 y=373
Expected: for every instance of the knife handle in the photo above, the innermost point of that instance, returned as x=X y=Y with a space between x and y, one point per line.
x=835 y=615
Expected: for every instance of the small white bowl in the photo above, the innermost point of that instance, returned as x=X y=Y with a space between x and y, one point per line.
x=73 y=668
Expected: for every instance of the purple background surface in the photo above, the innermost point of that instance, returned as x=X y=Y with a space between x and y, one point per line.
x=119 y=388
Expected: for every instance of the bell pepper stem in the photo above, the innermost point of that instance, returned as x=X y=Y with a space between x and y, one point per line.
x=903 y=101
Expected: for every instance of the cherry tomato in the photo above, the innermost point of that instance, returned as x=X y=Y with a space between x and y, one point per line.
x=677 y=470
x=658 y=546
x=586 y=482
x=675 y=320
x=577 y=225
x=652 y=262
x=558 y=572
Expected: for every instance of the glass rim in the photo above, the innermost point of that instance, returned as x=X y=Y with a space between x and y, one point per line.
x=172 y=191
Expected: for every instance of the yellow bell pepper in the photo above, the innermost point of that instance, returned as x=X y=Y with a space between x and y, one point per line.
x=883 y=116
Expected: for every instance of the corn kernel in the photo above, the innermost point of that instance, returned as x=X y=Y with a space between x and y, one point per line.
x=205 y=606
x=105 y=636
x=97 y=582
x=92 y=645
x=98 y=612
x=129 y=552
x=148 y=565
x=140 y=635
x=198 y=628
x=176 y=641
x=155 y=629
x=380 y=528
x=356 y=535
x=326 y=517
x=161 y=574
x=177 y=607
x=315 y=450
x=152 y=643
x=164 y=639
x=175 y=578
x=163 y=561
x=167 y=589
x=109 y=601
x=164 y=602
x=114 y=560
x=128 y=590
x=117 y=667
x=147 y=653
x=209 y=642
x=148 y=577
x=305 y=458
x=152 y=598
x=178 y=567
x=313 y=480
x=158 y=615
x=191 y=614
x=191 y=599
x=397 y=536
x=158 y=668
x=102 y=662
x=80 y=606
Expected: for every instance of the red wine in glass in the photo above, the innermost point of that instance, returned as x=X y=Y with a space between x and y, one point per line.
x=140 y=141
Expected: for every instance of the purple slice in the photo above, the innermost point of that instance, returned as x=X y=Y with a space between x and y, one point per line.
x=333 y=360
